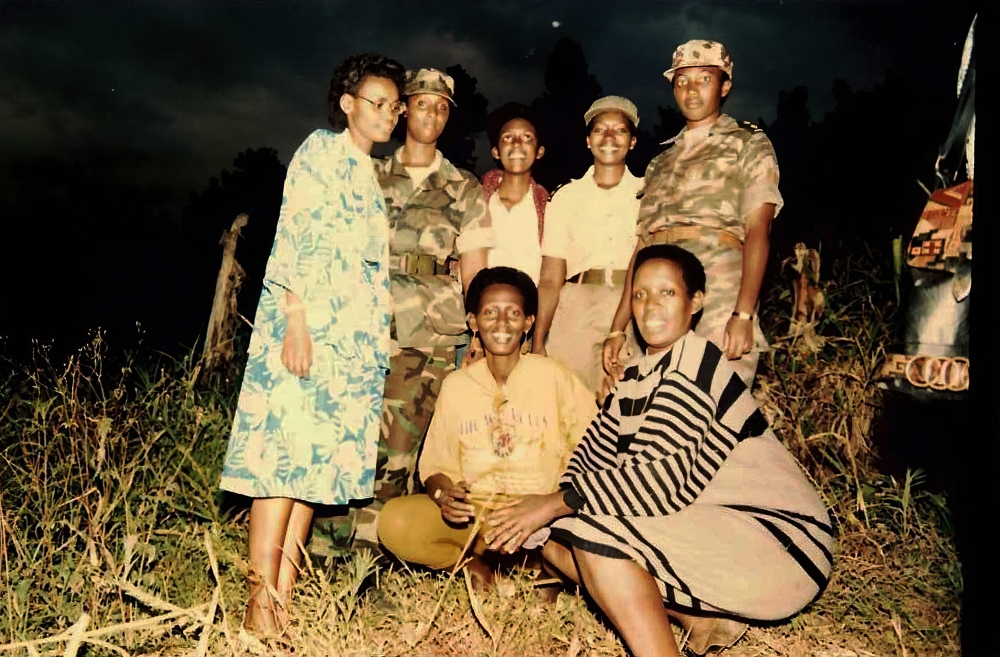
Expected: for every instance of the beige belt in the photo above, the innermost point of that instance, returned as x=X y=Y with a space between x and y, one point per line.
x=599 y=277
x=422 y=264
x=673 y=234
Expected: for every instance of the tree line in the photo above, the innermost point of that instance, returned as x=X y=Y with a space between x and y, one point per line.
x=853 y=171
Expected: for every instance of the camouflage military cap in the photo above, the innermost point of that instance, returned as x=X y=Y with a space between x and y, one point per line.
x=613 y=104
x=430 y=81
x=700 y=53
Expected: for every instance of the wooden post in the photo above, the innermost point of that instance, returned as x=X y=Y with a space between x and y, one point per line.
x=221 y=323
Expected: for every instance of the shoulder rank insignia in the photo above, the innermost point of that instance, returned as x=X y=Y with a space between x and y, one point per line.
x=752 y=127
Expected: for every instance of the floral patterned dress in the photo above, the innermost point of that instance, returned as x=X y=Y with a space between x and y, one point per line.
x=315 y=438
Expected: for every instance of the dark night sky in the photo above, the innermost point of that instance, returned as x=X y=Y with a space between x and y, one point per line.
x=168 y=92
x=141 y=102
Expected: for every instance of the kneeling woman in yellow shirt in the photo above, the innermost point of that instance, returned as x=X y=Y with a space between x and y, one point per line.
x=502 y=428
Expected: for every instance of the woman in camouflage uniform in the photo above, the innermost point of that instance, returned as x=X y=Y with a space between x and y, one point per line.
x=715 y=193
x=439 y=234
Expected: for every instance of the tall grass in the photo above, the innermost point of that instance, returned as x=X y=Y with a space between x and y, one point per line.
x=113 y=533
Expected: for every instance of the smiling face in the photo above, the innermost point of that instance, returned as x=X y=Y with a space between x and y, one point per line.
x=426 y=116
x=609 y=139
x=698 y=91
x=371 y=113
x=500 y=320
x=661 y=305
x=517 y=146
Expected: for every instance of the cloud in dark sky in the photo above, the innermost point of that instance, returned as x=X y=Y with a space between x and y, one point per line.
x=191 y=84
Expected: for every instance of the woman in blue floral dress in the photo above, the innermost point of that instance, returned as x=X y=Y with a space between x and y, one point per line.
x=307 y=424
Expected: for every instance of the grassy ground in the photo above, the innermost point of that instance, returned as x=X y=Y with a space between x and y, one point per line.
x=112 y=540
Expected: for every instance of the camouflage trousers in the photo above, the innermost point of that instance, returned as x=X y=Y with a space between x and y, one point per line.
x=411 y=390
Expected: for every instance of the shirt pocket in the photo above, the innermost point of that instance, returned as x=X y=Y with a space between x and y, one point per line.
x=370 y=259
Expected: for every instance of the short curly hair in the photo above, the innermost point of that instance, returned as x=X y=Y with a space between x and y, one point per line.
x=692 y=271
x=507 y=113
x=502 y=276
x=351 y=73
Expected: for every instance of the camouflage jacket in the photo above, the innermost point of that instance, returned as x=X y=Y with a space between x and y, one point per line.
x=715 y=182
x=443 y=216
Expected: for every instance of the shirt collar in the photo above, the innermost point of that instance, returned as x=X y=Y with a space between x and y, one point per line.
x=628 y=181
x=441 y=166
x=481 y=374
x=351 y=147
x=722 y=125
x=647 y=363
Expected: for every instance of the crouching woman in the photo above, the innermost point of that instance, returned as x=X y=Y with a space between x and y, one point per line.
x=502 y=428
x=679 y=492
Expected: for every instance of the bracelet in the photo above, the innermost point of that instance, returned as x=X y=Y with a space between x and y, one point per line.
x=293 y=307
x=614 y=334
x=747 y=316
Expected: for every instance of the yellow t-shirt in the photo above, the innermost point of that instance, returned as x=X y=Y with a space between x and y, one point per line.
x=516 y=439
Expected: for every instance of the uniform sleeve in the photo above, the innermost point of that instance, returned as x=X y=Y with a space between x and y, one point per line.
x=299 y=220
x=556 y=240
x=647 y=206
x=759 y=170
x=476 y=231
x=440 y=453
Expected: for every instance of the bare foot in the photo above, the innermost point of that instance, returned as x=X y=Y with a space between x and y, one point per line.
x=259 y=617
x=709 y=635
x=482 y=573
x=547 y=595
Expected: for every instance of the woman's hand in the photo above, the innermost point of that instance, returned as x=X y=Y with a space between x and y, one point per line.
x=297 y=347
x=612 y=364
x=738 y=338
x=475 y=353
x=512 y=524
x=608 y=386
x=454 y=504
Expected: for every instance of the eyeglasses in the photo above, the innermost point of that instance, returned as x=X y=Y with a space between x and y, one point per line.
x=396 y=108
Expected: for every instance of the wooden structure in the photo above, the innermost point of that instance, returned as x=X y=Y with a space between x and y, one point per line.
x=218 y=350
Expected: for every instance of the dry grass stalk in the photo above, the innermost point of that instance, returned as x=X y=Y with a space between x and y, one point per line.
x=122 y=533
x=423 y=629
x=75 y=634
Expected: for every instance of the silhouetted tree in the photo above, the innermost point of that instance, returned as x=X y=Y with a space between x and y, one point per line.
x=865 y=158
x=570 y=90
x=650 y=138
x=790 y=136
x=255 y=187
x=468 y=118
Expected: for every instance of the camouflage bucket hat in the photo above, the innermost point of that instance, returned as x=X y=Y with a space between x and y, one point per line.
x=613 y=104
x=430 y=81
x=700 y=53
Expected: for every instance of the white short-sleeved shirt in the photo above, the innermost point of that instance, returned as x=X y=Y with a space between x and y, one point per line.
x=590 y=227
x=515 y=236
